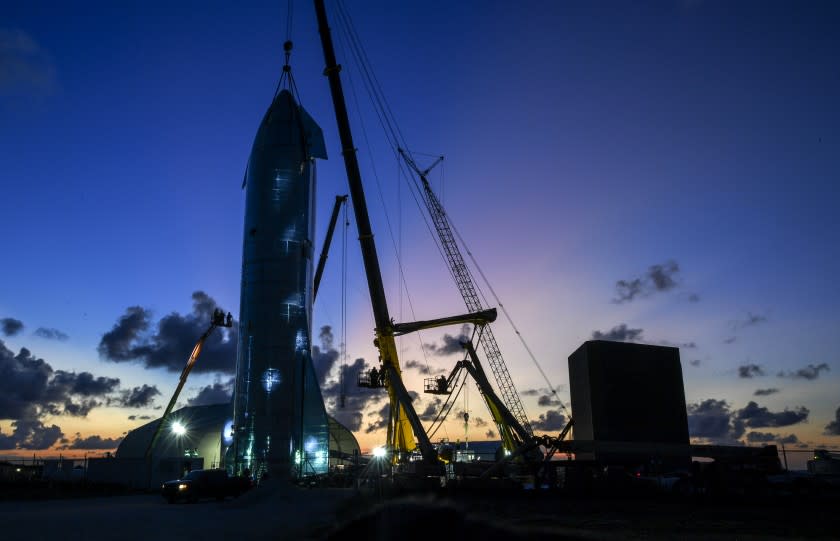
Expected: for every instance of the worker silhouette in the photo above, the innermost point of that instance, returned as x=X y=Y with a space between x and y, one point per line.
x=441 y=384
x=374 y=377
x=229 y=320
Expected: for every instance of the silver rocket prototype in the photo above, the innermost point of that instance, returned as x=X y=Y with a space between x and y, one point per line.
x=280 y=425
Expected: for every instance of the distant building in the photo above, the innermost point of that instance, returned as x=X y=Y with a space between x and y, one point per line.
x=630 y=394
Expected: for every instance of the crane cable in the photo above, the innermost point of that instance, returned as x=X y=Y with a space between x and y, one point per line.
x=381 y=196
x=343 y=346
x=394 y=135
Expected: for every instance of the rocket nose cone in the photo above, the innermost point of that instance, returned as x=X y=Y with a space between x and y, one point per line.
x=283 y=102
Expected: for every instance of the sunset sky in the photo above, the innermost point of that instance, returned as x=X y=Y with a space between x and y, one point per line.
x=663 y=172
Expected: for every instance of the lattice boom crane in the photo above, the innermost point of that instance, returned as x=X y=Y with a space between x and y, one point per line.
x=464 y=280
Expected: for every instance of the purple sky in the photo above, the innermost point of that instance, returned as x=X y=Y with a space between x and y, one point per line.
x=690 y=145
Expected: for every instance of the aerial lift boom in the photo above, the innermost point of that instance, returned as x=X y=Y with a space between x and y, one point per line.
x=219 y=320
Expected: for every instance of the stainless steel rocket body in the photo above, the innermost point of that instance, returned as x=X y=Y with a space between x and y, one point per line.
x=280 y=424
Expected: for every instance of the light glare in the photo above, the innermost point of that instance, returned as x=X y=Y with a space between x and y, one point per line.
x=178 y=429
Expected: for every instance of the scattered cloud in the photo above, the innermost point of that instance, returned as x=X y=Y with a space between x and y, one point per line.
x=833 y=428
x=140 y=417
x=324 y=356
x=92 y=442
x=681 y=345
x=694 y=297
x=765 y=392
x=380 y=419
x=750 y=320
x=713 y=420
x=694 y=362
x=451 y=345
x=138 y=397
x=730 y=340
x=10 y=326
x=767 y=437
x=50 y=334
x=430 y=412
x=30 y=391
x=424 y=369
x=658 y=278
x=549 y=421
x=750 y=371
x=548 y=400
x=810 y=372
x=30 y=433
x=25 y=67
x=490 y=434
x=755 y=416
x=219 y=392
x=618 y=334
x=170 y=345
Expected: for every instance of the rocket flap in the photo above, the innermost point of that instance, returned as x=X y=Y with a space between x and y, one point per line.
x=314 y=136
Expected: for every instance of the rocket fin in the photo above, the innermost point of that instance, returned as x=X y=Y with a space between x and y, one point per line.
x=314 y=136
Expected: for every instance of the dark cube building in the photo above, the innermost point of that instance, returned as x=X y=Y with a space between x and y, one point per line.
x=624 y=392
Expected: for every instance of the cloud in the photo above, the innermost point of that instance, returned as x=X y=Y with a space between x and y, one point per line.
x=658 y=278
x=713 y=420
x=681 y=345
x=750 y=371
x=549 y=421
x=84 y=383
x=217 y=393
x=730 y=340
x=548 y=400
x=380 y=419
x=92 y=442
x=833 y=428
x=810 y=372
x=490 y=434
x=30 y=433
x=755 y=416
x=138 y=397
x=50 y=334
x=422 y=368
x=10 y=326
x=618 y=334
x=25 y=67
x=30 y=389
x=141 y=417
x=765 y=392
x=750 y=321
x=344 y=399
x=767 y=437
x=430 y=412
x=531 y=392
x=694 y=362
x=694 y=297
x=170 y=345
x=356 y=400
x=325 y=356
x=451 y=345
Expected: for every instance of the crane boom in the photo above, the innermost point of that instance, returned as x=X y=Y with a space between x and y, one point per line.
x=464 y=280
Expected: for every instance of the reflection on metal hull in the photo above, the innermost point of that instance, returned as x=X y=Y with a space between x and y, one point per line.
x=280 y=424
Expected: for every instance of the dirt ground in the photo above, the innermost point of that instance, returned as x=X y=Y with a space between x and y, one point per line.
x=276 y=512
x=548 y=516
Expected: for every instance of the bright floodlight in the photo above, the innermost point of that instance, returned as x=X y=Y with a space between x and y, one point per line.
x=178 y=429
x=379 y=452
